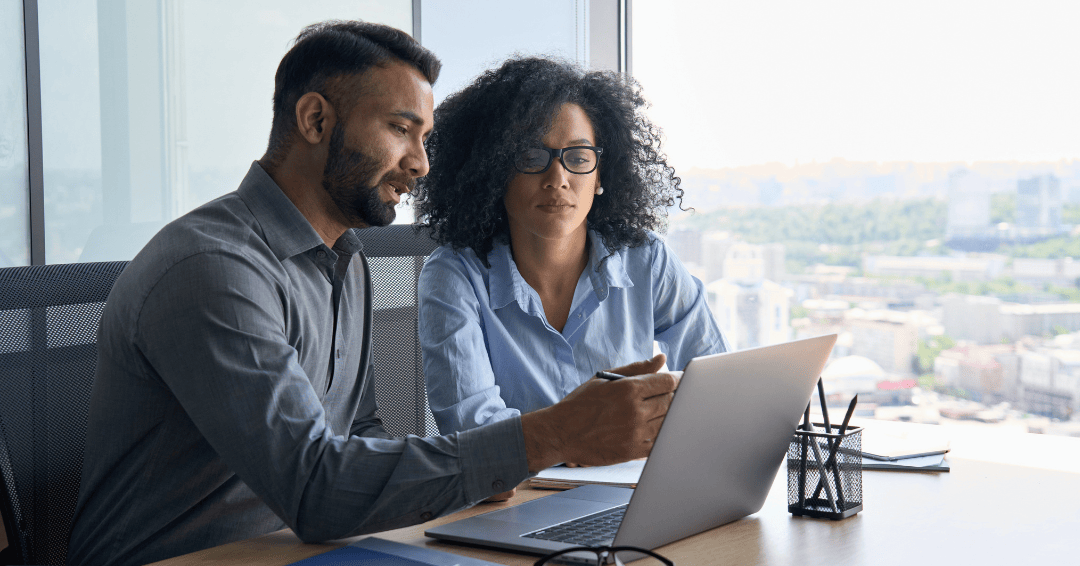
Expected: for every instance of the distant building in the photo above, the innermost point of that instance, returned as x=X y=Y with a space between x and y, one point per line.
x=982 y=268
x=852 y=375
x=1059 y=271
x=989 y=320
x=774 y=258
x=1048 y=319
x=751 y=262
x=855 y=289
x=1038 y=205
x=990 y=374
x=857 y=375
x=972 y=317
x=822 y=310
x=969 y=206
x=714 y=252
x=888 y=338
x=686 y=243
x=751 y=313
x=1050 y=382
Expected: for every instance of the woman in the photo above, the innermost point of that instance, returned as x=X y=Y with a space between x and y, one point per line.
x=545 y=184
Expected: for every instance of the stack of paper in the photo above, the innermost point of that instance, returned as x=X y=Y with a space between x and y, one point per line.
x=881 y=451
x=880 y=446
x=561 y=477
x=935 y=463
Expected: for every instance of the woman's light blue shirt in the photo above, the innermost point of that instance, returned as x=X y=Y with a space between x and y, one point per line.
x=490 y=354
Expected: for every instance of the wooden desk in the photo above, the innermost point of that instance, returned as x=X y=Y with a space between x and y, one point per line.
x=982 y=512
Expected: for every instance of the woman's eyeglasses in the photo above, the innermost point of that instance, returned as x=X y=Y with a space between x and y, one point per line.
x=605 y=555
x=579 y=159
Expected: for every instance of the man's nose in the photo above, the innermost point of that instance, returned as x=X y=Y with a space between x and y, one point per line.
x=416 y=160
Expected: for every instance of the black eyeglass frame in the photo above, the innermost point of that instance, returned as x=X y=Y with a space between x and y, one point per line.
x=602 y=552
x=554 y=154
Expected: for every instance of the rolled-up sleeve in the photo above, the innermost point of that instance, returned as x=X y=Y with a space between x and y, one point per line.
x=684 y=326
x=240 y=382
x=460 y=381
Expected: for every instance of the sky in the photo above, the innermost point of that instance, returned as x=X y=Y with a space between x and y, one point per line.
x=749 y=82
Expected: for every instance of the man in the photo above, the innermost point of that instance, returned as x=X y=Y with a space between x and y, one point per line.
x=233 y=397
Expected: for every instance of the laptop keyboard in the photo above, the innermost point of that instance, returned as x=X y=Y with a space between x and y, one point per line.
x=590 y=530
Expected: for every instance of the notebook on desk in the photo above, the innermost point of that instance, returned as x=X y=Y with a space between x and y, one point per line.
x=879 y=445
x=714 y=461
x=625 y=474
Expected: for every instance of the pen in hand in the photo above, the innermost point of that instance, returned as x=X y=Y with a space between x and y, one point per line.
x=609 y=376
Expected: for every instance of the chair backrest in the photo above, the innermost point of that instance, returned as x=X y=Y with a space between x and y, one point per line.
x=48 y=352
x=396 y=253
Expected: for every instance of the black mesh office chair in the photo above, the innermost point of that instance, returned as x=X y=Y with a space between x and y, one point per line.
x=48 y=333
x=395 y=255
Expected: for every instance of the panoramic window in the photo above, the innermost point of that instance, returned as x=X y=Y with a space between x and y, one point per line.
x=905 y=175
x=14 y=172
x=150 y=109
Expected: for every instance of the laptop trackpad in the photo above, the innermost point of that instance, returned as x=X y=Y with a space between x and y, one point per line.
x=541 y=513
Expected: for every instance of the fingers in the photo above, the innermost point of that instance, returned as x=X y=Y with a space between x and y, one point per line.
x=652 y=365
x=656 y=407
x=653 y=384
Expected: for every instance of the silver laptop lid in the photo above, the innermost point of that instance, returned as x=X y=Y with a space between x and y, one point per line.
x=723 y=440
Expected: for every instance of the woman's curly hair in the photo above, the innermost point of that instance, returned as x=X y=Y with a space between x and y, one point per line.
x=479 y=130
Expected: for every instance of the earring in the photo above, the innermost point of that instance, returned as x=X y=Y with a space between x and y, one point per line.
x=599 y=191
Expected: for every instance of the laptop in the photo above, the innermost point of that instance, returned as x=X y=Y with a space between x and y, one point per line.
x=713 y=462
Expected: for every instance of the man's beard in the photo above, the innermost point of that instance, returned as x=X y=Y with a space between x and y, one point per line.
x=344 y=179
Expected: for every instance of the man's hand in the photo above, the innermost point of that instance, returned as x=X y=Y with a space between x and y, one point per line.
x=500 y=497
x=602 y=422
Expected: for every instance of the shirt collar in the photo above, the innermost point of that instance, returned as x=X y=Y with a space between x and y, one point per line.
x=612 y=272
x=286 y=230
x=507 y=284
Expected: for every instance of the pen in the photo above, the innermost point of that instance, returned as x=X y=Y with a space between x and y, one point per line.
x=835 y=449
x=609 y=376
x=828 y=430
x=843 y=428
x=824 y=475
x=847 y=416
x=802 y=462
x=824 y=409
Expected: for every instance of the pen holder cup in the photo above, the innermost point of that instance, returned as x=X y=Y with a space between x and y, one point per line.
x=826 y=481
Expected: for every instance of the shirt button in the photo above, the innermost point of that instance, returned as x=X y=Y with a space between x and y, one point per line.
x=425 y=516
x=321 y=254
x=498 y=485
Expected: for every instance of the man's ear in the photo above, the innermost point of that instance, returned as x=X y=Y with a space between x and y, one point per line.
x=315 y=118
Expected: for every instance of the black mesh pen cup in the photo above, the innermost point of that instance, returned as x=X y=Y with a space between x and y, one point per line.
x=824 y=473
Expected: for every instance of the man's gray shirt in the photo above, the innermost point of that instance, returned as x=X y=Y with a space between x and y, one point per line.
x=227 y=405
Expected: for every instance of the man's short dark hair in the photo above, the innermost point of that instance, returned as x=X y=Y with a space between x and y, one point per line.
x=329 y=51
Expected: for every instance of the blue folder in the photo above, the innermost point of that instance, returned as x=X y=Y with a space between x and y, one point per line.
x=379 y=552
